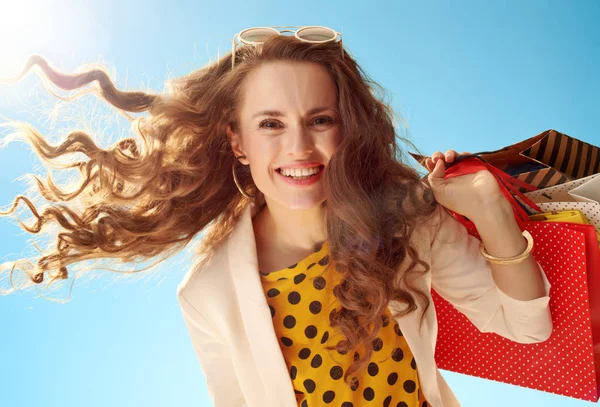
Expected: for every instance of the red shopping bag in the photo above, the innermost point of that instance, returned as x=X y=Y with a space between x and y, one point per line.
x=566 y=363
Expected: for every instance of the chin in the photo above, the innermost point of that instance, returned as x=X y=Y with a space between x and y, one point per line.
x=304 y=204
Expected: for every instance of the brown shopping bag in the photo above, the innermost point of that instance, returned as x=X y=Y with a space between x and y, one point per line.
x=550 y=158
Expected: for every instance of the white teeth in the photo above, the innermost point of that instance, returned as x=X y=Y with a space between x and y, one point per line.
x=299 y=172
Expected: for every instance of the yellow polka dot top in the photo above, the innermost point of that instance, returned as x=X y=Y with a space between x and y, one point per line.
x=301 y=298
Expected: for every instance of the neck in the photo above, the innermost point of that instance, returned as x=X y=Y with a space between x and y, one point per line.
x=291 y=228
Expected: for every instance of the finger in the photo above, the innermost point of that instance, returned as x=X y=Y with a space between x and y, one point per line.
x=465 y=153
x=436 y=177
x=450 y=155
x=429 y=164
x=437 y=156
x=439 y=170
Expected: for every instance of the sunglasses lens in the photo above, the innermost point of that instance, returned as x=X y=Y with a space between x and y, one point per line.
x=316 y=34
x=257 y=35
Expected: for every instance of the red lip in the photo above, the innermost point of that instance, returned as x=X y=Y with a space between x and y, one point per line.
x=301 y=165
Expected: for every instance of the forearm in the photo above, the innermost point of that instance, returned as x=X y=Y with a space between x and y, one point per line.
x=502 y=237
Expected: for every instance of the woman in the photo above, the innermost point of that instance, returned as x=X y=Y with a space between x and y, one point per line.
x=321 y=247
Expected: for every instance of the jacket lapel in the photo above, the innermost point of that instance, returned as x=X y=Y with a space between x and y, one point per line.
x=421 y=340
x=255 y=313
x=421 y=347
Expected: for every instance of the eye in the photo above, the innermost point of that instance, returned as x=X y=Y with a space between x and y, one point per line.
x=264 y=124
x=319 y=121
x=327 y=119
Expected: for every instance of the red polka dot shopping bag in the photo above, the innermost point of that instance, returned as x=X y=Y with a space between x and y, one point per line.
x=566 y=363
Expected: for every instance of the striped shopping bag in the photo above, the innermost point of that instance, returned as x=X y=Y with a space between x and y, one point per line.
x=550 y=158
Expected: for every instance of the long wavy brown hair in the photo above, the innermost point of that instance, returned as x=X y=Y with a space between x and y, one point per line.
x=152 y=193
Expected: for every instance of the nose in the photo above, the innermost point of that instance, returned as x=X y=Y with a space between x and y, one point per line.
x=300 y=141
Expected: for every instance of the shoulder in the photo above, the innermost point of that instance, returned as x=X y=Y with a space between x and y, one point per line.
x=428 y=227
x=444 y=228
x=433 y=227
x=439 y=237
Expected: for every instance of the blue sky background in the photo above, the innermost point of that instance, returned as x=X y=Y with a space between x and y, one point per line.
x=466 y=75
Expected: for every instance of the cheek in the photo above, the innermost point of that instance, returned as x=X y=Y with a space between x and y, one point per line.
x=263 y=157
x=333 y=142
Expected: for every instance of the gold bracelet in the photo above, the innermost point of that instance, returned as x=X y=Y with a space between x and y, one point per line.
x=510 y=260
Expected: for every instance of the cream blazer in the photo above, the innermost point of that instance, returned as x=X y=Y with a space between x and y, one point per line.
x=230 y=325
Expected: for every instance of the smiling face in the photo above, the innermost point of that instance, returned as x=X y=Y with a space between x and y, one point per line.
x=288 y=115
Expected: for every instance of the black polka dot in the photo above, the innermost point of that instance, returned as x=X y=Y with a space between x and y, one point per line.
x=304 y=403
x=282 y=278
x=310 y=331
x=310 y=266
x=304 y=353
x=293 y=372
x=273 y=292
x=356 y=356
x=272 y=311
x=324 y=261
x=387 y=401
x=369 y=394
x=318 y=247
x=336 y=372
x=299 y=278
x=292 y=266
x=413 y=364
x=294 y=297
x=397 y=330
x=410 y=386
x=377 y=344
x=397 y=355
x=316 y=361
x=402 y=404
x=287 y=341
x=354 y=385
x=325 y=337
x=328 y=396
x=289 y=321
x=392 y=379
x=373 y=369
x=319 y=283
x=347 y=404
x=309 y=385
x=424 y=404
x=315 y=307
x=385 y=320
x=263 y=273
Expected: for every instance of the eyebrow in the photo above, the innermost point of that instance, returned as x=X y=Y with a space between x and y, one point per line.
x=277 y=113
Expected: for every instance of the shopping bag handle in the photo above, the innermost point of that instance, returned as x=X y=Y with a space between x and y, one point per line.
x=511 y=180
x=471 y=163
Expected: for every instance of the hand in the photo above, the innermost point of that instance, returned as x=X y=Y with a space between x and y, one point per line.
x=470 y=194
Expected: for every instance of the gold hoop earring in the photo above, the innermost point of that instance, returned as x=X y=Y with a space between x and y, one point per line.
x=235 y=179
